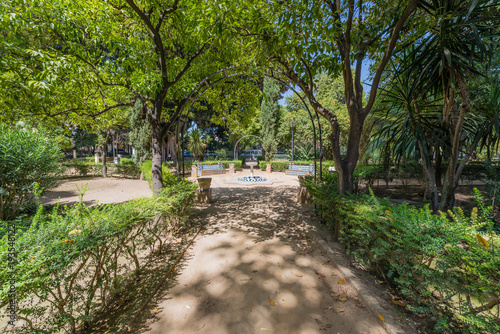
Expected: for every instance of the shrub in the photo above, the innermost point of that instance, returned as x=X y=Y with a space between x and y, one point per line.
x=169 y=179
x=443 y=266
x=72 y=264
x=281 y=166
x=88 y=167
x=26 y=157
x=225 y=164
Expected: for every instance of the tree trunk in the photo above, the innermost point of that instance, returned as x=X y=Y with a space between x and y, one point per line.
x=104 y=155
x=438 y=166
x=448 y=192
x=156 y=161
x=430 y=180
x=345 y=166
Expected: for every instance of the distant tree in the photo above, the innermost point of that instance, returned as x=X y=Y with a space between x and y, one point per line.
x=198 y=143
x=141 y=134
x=270 y=117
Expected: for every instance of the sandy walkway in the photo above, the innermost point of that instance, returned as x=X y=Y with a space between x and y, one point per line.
x=102 y=190
x=254 y=270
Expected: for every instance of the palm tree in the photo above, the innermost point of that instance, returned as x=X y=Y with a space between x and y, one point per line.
x=448 y=58
x=198 y=143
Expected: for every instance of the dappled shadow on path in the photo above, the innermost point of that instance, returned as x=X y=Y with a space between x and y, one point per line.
x=254 y=268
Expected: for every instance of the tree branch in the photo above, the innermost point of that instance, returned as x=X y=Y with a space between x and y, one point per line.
x=156 y=39
x=412 y=5
x=185 y=68
x=164 y=13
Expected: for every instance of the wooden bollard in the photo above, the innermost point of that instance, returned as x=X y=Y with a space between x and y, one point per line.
x=231 y=169
x=268 y=168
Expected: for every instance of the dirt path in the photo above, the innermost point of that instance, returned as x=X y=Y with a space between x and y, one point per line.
x=254 y=270
x=102 y=190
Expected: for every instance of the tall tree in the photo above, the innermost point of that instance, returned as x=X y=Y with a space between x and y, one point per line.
x=337 y=36
x=112 y=54
x=269 y=114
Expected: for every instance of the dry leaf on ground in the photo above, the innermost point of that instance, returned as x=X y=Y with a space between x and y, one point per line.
x=342 y=281
x=343 y=297
x=381 y=317
x=398 y=302
x=271 y=302
x=340 y=309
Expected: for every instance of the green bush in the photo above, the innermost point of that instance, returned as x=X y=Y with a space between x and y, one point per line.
x=281 y=166
x=237 y=163
x=444 y=267
x=73 y=264
x=88 y=167
x=26 y=157
x=169 y=179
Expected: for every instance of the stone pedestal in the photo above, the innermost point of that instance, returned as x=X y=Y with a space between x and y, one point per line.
x=194 y=171
x=96 y=157
x=74 y=154
x=231 y=169
x=268 y=168
x=204 y=191
x=303 y=196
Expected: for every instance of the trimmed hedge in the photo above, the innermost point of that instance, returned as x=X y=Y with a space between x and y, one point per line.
x=445 y=268
x=71 y=266
x=281 y=166
x=88 y=167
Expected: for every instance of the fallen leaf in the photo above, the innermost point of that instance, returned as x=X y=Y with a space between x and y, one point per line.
x=381 y=317
x=298 y=275
x=155 y=310
x=340 y=309
x=328 y=325
x=398 y=302
x=329 y=307
x=342 y=281
x=267 y=330
x=320 y=275
x=271 y=302
x=342 y=297
x=482 y=241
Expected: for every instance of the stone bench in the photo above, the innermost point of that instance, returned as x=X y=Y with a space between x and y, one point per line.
x=300 y=170
x=200 y=169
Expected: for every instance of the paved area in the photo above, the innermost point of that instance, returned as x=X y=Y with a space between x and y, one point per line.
x=254 y=270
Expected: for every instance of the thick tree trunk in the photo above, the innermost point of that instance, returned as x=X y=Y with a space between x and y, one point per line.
x=156 y=166
x=345 y=166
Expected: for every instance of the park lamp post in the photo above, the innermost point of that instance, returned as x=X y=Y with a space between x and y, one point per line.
x=292 y=125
